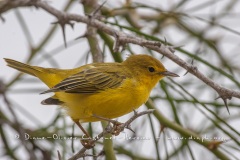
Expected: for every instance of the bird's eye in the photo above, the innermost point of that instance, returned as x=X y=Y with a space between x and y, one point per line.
x=151 y=69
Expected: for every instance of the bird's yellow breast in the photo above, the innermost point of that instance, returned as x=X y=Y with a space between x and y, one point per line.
x=110 y=103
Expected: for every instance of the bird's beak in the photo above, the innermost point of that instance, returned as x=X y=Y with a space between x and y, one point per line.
x=168 y=73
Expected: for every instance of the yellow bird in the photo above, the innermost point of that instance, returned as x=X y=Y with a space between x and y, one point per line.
x=107 y=90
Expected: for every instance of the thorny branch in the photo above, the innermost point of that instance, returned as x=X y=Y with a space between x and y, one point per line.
x=122 y=39
x=92 y=6
x=111 y=130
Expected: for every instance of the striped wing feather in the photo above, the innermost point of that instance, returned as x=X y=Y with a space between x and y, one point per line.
x=89 y=81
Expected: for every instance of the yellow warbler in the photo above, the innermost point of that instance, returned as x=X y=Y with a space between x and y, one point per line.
x=107 y=90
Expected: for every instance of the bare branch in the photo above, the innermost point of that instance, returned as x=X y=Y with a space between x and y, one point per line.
x=6 y=5
x=91 y=33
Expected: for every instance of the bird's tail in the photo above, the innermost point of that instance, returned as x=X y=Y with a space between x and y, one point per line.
x=32 y=70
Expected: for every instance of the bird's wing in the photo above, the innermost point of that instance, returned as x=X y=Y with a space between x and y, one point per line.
x=91 y=80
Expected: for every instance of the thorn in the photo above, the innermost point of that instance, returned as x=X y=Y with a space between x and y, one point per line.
x=63 y=21
x=171 y=48
x=63 y=26
x=3 y=19
x=94 y=13
x=72 y=25
x=130 y=128
x=135 y=111
x=99 y=7
x=188 y=71
x=218 y=97
x=165 y=41
x=226 y=105
x=55 y=22
x=82 y=36
x=64 y=35
x=162 y=56
x=225 y=97
x=63 y=31
x=192 y=61
x=59 y=155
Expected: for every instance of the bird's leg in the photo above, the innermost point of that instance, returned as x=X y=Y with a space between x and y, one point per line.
x=82 y=129
x=87 y=140
x=117 y=126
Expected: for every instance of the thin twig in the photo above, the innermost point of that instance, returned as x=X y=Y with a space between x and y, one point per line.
x=82 y=153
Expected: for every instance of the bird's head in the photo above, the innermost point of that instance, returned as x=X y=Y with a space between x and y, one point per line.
x=147 y=69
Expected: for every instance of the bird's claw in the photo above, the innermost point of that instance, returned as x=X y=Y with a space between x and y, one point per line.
x=87 y=142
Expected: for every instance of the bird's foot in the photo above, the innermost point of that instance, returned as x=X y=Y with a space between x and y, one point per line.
x=87 y=142
x=117 y=127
